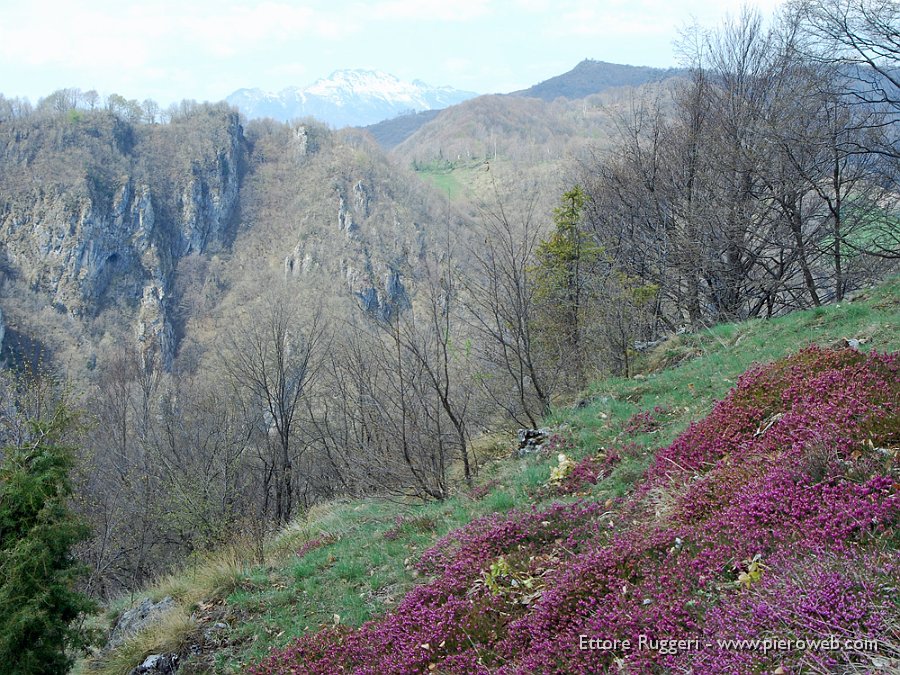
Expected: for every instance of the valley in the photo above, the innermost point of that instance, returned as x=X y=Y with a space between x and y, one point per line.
x=265 y=360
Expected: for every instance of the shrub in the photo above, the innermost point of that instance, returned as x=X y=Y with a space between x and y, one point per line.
x=38 y=600
x=764 y=536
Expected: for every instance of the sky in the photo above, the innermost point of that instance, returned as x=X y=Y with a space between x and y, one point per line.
x=169 y=50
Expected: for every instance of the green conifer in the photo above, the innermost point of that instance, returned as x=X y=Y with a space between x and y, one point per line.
x=38 y=599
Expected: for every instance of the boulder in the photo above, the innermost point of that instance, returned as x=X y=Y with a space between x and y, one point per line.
x=137 y=619
x=532 y=440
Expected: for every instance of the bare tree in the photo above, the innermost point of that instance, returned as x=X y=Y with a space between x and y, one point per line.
x=500 y=299
x=200 y=445
x=394 y=409
x=122 y=494
x=857 y=42
x=861 y=36
x=750 y=196
x=433 y=339
x=271 y=361
x=151 y=110
x=385 y=430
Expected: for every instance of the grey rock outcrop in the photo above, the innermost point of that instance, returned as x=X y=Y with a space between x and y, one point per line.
x=532 y=441
x=157 y=664
x=346 y=224
x=369 y=258
x=137 y=619
x=385 y=299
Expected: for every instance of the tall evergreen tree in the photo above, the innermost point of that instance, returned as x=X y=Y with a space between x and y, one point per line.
x=563 y=277
x=38 y=599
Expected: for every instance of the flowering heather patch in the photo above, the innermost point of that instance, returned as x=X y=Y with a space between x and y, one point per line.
x=481 y=491
x=819 y=598
x=588 y=471
x=559 y=442
x=645 y=421
x=782 y=523
x=583 y=473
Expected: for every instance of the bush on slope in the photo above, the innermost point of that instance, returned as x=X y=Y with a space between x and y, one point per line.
x=774 y=517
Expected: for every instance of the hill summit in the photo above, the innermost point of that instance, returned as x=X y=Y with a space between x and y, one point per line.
x=592 y=77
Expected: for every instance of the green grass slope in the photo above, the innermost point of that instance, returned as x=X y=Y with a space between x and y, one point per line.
x=347 y=562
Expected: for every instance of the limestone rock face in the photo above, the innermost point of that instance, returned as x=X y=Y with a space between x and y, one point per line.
x=209 y=200
x=367 y=247
x=109 y=224
x=66 y=246
x=108 y=228
x=154 y=332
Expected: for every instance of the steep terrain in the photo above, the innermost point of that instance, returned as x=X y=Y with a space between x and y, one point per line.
x=665 y=517
x=96 y=212
x=120 y=233
x=771 y=520
x=325 y=213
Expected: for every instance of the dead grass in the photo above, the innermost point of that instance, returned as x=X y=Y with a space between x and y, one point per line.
x=171 y=633
x=210 y=576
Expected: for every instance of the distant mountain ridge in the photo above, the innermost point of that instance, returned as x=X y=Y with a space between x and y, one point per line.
x=592 y=77
x=588 y=78
x=348 y=98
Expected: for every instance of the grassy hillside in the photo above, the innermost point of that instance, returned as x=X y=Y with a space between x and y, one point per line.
x=533 y=553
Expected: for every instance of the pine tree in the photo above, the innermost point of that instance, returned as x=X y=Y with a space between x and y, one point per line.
x=563 y=278
x=38 y=599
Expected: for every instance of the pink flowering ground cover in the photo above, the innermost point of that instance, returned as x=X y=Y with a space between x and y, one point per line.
x=773 y=519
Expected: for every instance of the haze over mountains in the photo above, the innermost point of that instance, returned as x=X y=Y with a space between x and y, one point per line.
x=593 y=77
x=347 y=98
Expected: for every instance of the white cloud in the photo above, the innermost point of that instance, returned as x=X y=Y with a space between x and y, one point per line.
x=635 y=18
x=590 y=21
x=171 y=49
x=64 y=34
x=535 y=6
x=86 y=34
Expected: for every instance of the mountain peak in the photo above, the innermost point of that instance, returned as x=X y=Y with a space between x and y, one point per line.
x=351 y=97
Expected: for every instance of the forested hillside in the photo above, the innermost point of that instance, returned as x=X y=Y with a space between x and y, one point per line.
x=216 y=326
x=592 y=77
x=538 y=534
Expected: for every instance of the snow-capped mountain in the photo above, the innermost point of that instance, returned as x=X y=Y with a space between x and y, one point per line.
x=348 y=98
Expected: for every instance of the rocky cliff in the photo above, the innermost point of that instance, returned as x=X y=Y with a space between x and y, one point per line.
x=96 y=211
x=116 y=232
